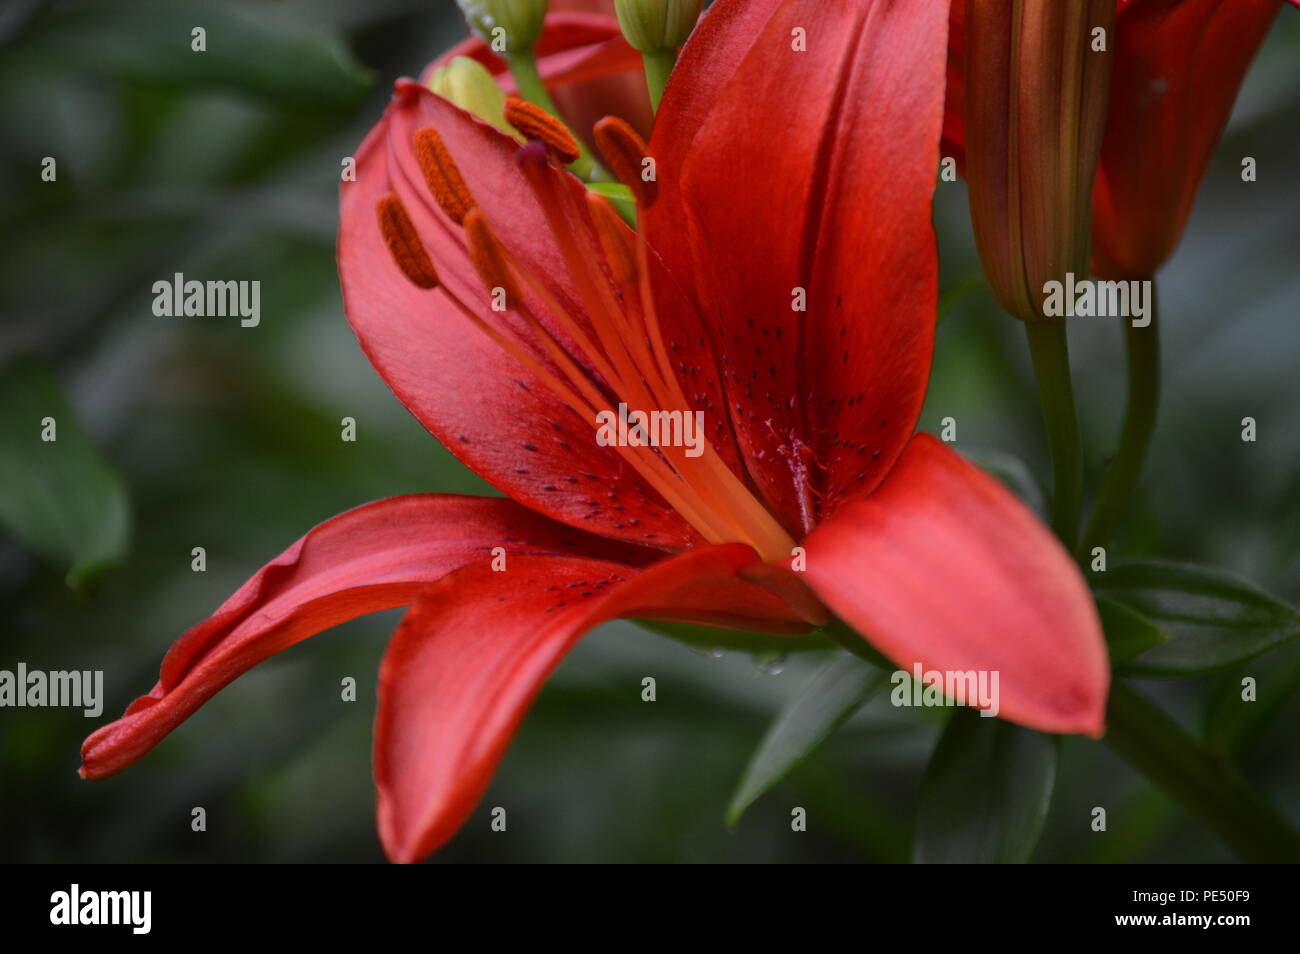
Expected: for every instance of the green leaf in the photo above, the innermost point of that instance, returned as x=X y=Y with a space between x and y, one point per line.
x=1232 y=724
x=986 y=793
x=60 y=498
x=255 y=48
x=715 y=638
x=1213 y=619
x=1128 y=632
x=838 y=690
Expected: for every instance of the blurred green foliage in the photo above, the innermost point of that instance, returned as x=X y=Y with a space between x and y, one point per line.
x=228 y=438
x=60 y=499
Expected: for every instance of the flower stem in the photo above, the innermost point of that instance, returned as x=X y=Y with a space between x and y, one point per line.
x=523 y=67
x=658 y=64
x=1203 y=782
x=1143 y=345
x=1051 y=357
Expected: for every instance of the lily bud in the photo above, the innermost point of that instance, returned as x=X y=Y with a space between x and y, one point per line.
x=1178 y=68
x=506 y=26
x=1037 y=79
x=654 y=25
x=467 y=83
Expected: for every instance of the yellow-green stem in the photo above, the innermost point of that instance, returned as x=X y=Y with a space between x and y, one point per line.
x=1143 y=348
x=658 y=64
x=1051 y=357
x=523 y=67
x=1203 y=782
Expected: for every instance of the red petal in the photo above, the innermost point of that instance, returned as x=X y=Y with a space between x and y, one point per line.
x=943 y=567
x=487 y=408
x=1177 y=70
x=588 y=68
x=813 y=170
x=474 y=650
x=725 y=34
x=369 y=559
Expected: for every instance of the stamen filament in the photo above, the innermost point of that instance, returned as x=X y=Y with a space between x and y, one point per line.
x=755 y=514
x=628 y=352
x=594 y=397
x=723 y=493
x=669 y=485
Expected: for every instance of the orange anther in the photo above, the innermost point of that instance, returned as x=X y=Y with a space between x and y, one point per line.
x=624 y=152
x=536 y=123
x=404 y=242
x=489 y=258
x=440 y=172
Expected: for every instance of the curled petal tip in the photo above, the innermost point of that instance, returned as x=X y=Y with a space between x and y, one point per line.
x=1087 y=718
x=405 y=90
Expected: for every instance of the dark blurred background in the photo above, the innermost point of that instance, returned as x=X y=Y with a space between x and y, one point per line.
x=183 y=433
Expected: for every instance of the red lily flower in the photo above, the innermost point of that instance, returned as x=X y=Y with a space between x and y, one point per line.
x=777 y=170
x=1178 y=65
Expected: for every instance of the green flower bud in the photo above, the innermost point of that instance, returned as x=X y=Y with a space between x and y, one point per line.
x=653 y=25
x=467 y=83
x=508 y=27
